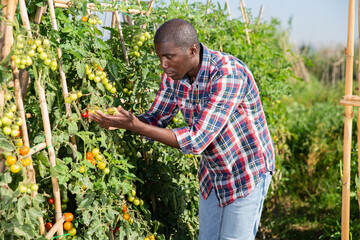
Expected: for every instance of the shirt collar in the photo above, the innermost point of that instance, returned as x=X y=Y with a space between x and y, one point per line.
x=203 y=73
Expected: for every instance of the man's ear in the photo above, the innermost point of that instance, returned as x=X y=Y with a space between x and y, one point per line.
x=193 y=50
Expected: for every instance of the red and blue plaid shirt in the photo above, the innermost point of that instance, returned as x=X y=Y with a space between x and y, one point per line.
x=226 y=124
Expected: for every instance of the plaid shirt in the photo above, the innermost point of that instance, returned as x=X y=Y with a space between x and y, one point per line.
x=226 y=124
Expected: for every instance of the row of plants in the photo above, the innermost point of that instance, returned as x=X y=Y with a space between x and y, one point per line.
x=114 y=184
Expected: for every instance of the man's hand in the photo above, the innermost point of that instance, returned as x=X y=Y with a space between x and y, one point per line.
x=126 y=120
x=122 y=119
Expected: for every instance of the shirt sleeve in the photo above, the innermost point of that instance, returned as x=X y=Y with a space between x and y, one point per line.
x=164 y=107
x=226 y=93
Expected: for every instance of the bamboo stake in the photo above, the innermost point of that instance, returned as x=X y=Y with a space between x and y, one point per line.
x=8 y=36
x=57 y=225
x=228 y=9
x=51 y=151
x=39 y=12
x=106 y=19
x=2 y=28
x=208 y=6
x=2 y=45
x=259 y=17
x=118 y=24
x=349 y=52
x=242 y=8
x=62 y=74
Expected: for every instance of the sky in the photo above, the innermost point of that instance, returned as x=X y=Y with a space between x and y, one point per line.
x=315 y=22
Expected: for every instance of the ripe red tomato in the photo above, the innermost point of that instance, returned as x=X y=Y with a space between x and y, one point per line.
x=85 y=114
x=124 y=209
x=68 y=217
x=89 y=156
x=48 y=226
x=51 y=201
x=24 y=150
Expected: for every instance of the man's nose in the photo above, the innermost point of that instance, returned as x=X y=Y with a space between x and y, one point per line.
x=164 y=63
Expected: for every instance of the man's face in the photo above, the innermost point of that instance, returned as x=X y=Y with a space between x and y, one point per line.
x=175 y=61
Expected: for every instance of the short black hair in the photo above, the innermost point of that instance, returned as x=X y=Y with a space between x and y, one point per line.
x=178 y=30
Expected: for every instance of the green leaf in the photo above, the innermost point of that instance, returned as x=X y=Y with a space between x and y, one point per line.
x=72 y=128
x=5 y=178
x=80 y=68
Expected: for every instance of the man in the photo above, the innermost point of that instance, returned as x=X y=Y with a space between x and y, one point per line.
x=220 y=102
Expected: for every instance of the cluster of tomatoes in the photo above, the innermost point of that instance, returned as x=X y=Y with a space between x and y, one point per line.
x=28 y=188
x=151 y=237
x=10 y=121
x=26 y=51
x=95 y=156
x=12 y=161
x=92 y=19
x=73 y=97
x=139 y=42
x=68 y=225
x=135 y=200
x=96 y=73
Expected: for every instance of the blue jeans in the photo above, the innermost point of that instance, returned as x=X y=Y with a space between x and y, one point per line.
x=238 y=220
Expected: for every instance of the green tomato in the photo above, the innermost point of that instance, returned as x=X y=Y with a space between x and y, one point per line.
x=18 y=142
x=108 y=86
x=14 y=133
x=82 y=169
x=43 y=56
x=106 y=171
x=15 y=127
x=53 y=64
x=72 y=232
x=6 y=130
x=34 y=187
x=136 y=202
x=91 y=76
x=19 y=121
x=9 y=114
x=113 y=90
x=31 y=53
x=29 y=62
x=73 y=96
x=38 y=42
x=40 y=49
x=87 y=71
x=105 y=81
x=139 y=43
x=142 y=38
x=131 y=198
x=68 y=100
x=46 y=42
x=97 y=79
x=47 y=61
x=22 y=188
x=12 y=107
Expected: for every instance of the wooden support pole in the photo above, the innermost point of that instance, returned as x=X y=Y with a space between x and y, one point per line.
x=259 y=17
x=59 y=223
x=62 y=74
x=349 y=52
x=118 y=24
x=228 y=9
x=51 y=151
x=243 y=13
